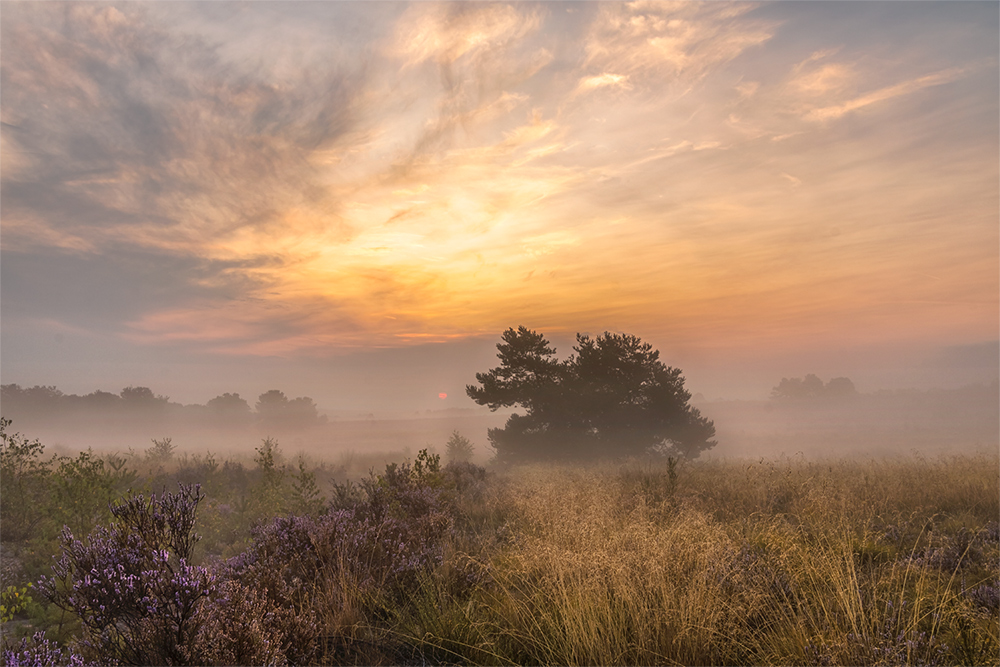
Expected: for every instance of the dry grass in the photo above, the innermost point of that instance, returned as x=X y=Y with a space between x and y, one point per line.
x=781 y=562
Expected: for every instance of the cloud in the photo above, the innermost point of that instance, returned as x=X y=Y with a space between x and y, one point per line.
x=133 y=141
x=656 y=41
x=604 y=81
x=886 y=93
x=327 y=175
x=457 y=66
x=444 y=33
x=748 y=89
x=147 y=136
x=101 y=291
x=795 y=182
x=832 y=77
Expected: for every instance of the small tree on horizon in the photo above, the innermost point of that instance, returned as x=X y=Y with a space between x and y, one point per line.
x=612 y=398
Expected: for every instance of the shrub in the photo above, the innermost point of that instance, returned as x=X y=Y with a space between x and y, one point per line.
x=161 y=452
x=307 y=583
x=83 y=489
x=238 y=628
x=13 y=601
x=268 y=494
x=39 y=652
x=458 y=449
x=305 y=496
x=25 y=480
x=131 y=584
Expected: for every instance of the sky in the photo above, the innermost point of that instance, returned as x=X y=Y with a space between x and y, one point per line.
x=352 y=201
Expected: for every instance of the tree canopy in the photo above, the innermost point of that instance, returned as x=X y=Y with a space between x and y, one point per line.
x=811 y=387
x=612 y=397
x=275 y=410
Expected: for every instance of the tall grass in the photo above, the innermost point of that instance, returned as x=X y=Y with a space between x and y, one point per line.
x=787 y=561
x=780 y=562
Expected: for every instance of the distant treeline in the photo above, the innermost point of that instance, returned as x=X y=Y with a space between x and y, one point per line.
x=812 y=389
x=272 y=410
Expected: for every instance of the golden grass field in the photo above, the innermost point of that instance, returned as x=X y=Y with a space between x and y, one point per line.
x=730 y=562
x=783 y=561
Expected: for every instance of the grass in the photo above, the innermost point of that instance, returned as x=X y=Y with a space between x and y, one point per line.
x=716 y=562
x=765 y=562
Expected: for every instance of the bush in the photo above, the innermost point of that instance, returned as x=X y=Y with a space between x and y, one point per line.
x=132 y=584
x=459 y=449
x=39 y=652
x=306 y=582
x=25 y=479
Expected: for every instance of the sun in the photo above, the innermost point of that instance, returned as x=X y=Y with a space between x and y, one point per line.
x=442 y=395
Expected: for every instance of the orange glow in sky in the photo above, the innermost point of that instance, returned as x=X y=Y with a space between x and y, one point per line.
x=305 y=179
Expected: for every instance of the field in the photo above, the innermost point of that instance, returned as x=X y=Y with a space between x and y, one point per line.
x=767 y=561
x=889 y=562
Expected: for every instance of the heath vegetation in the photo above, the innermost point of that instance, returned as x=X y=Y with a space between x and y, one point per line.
x=158 y=558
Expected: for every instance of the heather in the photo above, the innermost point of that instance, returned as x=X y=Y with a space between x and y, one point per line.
x=156 y=558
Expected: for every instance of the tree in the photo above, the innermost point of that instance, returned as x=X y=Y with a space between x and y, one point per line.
x=161 y=452
x=811 y=387
x=229 y=410
x=142 y=398
x=458 y=448
x=274 y=410
x=840 y=388
x=613 y=397
x=273 y=402
x=38 y=400
x=100 y=400
x=305 y=496
x=230 y=404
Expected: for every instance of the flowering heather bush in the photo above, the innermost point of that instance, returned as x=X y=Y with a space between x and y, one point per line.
x=894 y=642
x=952 y=554
x=986 y=596
x=347 y=559
x=298 y=594
x=131 y=584
x=991 y=533
x=306 y=579
x=239 y=626
x=39 y=652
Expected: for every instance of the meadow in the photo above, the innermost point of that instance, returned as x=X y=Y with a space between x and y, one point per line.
x=779 y=561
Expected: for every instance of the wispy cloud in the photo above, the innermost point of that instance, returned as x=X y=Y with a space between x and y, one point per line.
x=886 y=93
x=606 y=80
x=657 y=41
x=444 y=33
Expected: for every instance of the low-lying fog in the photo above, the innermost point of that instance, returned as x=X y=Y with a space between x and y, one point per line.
x=932 y=422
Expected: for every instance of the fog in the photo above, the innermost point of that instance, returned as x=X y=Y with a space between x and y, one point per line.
x=130 y=421
x=931 y=423
x=860 y=421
